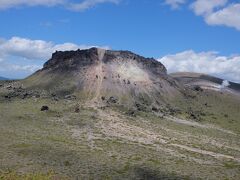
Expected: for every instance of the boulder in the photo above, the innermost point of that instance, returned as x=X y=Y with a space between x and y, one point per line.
x=44 y=108
x=131 y=113
x=197 y=88
x=77 y=110
x=140 y=107
x=70 y=97
x=155 y=109
x=112 y=100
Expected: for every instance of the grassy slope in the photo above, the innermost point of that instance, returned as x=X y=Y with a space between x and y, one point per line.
x=89 y=145
x=214 y=107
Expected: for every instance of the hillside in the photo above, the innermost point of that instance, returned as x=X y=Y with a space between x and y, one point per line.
x=101 y=75
x=103 y=114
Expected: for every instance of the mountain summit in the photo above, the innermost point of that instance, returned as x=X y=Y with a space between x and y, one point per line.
x=98 y=74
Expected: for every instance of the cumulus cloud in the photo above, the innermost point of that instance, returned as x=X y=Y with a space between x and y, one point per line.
x=204 y=62
x=218 y=12
x=69 y=4
x=214 y=12
x=229 y=16
x=204 y=7
x=35 y=49
x=175 y=3
x=26 y=53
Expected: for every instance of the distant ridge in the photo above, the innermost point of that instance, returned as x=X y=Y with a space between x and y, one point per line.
x=3 y=78
x=197 y=77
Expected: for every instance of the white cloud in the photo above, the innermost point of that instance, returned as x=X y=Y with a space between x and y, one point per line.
x=204 y=7
x=17 y=70
x=6 y=4
x=23 y=51
x=35 y=49
x=86 y=4
x=218 y=12
x=6 y=67
x=175 y=3
x=69 y=4
x=204 y=62
x=30 y=49
x=214 y=12
x=229 y=16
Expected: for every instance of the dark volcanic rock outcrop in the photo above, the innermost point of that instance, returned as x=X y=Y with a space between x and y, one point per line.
x=94 y=73
x=72 y=60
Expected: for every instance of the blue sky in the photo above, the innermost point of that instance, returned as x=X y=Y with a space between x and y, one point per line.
x=165 y=30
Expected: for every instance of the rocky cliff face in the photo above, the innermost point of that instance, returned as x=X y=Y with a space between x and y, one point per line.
x=101 y=75
x=70 y=60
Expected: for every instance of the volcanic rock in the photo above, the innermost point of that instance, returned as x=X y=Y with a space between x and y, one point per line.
x=85 y=73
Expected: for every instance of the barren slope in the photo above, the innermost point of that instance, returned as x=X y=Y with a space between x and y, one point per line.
x=98 y=75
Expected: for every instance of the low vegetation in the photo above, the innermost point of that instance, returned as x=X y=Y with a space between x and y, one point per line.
x=109 y=143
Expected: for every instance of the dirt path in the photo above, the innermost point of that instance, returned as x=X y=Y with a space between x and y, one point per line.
x=204 y=152
x=196 y=124
x=116 y=127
